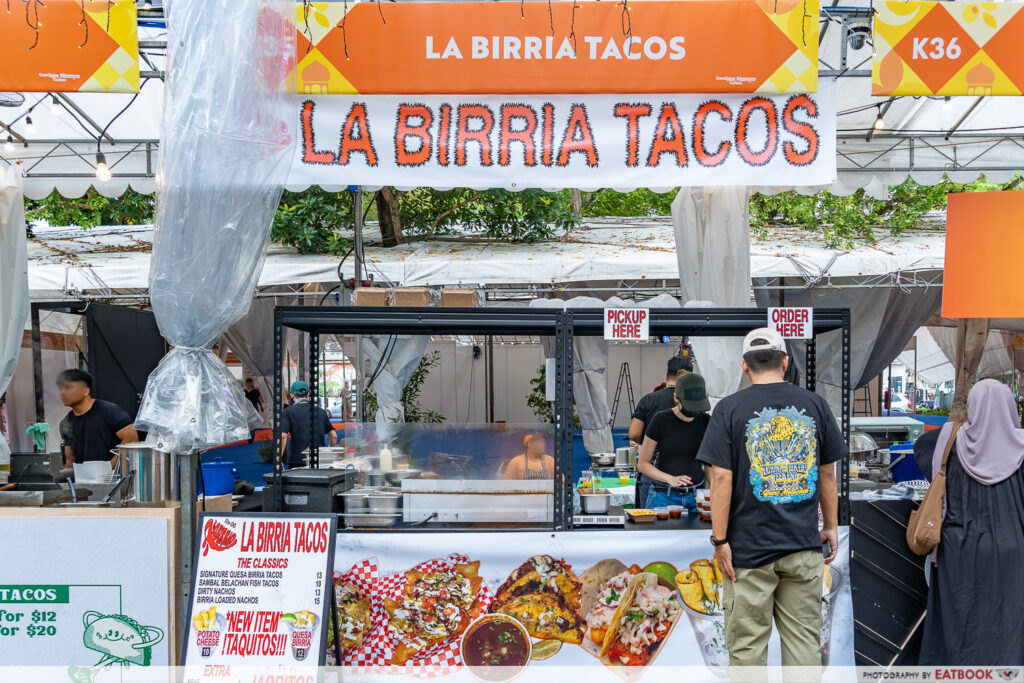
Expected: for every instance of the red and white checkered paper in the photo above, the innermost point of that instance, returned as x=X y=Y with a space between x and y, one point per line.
x=380 y=643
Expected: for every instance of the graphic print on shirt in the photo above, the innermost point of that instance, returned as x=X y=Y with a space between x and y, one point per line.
x=782 y=446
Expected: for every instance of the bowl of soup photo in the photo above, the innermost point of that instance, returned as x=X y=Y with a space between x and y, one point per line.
x=496 y=647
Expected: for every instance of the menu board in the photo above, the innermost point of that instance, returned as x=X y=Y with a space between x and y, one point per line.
x=86 y=592
x=261 y=590
x=523 y=602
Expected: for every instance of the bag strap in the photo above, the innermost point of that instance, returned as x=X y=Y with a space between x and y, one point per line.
x=949 y=444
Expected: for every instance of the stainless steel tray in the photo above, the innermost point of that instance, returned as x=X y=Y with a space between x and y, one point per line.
x=361 y=519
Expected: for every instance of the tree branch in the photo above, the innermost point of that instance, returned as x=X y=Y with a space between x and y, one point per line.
x=433 y=227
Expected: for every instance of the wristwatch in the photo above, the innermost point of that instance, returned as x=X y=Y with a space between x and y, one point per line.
x=718 y=541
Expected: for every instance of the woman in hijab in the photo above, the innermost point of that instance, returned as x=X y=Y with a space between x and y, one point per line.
x=975 y=599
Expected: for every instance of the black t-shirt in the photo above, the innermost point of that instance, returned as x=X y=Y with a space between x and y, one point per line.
x=295 y=423
x=650 y=405
x=678 y=443
x=254 y=397
x=94 y=432
x=773 y=437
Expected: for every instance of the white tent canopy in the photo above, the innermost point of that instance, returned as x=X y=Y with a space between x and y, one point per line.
x=923 y=137
x=636 y=252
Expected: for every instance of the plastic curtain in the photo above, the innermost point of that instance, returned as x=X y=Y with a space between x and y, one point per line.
x=713 y=249
x=13 y=281
x=225 y=147
x=393 y=359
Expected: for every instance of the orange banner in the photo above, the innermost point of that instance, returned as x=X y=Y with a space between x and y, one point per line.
x=948 y=48
x=69 y=46
x=984 y=243
x=672 y=46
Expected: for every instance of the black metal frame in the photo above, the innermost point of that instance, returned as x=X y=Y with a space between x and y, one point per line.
x=564 y=326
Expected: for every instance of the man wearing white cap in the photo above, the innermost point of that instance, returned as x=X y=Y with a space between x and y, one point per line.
x=771 y=449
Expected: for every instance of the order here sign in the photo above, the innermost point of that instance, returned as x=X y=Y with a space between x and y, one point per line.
x=627 y=324
x=792 y=323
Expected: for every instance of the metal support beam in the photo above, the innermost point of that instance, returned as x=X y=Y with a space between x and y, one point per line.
x=37 y=363
x=960 y=122
x=68 y=102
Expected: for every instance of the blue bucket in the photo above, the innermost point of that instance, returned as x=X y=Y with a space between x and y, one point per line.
x=218 y=478
x=906 y=469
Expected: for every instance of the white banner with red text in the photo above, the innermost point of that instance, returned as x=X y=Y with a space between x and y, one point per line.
x=566 y=141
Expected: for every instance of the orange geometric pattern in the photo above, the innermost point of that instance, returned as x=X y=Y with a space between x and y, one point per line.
x=948 y=48
x=712 y=46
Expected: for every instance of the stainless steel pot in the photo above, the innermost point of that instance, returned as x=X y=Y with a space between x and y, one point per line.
x=375 y=478
x=603 y=459
x=157 y=474
x=383 y=503
x=395 y=477
x=595 y=503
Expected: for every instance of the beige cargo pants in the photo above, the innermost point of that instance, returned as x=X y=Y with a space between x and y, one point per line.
x=789 y=590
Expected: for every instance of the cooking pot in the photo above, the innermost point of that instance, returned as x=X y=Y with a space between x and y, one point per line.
x=603 y=459
x=375 y=478
x=157 y=475
x=596 y=503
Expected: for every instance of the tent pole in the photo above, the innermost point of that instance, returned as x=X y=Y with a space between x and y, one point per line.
x=357 y=253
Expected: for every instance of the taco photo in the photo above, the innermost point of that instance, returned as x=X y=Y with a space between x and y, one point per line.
x=434 y=608
x=544 y=595
x=354 y=616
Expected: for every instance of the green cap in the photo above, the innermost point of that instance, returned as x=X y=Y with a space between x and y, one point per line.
x=300 y=388
x=692 y=393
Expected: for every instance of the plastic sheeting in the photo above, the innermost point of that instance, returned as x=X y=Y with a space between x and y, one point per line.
x=401 y=356
x=712 y=231
x=225 y=151
x=13 y=281
x=930 y=363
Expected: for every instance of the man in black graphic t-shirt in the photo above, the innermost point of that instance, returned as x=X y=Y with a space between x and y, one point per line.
x=771 y=448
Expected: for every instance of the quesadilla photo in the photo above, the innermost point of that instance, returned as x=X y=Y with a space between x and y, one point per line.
x=435 y=607
x=544 y=595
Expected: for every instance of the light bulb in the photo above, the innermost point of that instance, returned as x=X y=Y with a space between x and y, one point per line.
x=879 y=123
x=947 y=103
x=102 y=172
x=9 y=145
x=54 y=106
x=29 y=126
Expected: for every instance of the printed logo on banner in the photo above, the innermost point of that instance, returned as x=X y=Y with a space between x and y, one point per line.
x=568 y=141
x=217 y=536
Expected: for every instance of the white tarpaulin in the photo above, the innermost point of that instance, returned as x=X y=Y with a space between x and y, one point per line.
x=930 y=363
x=712 y=245
x=13 y=281
x=560 y=141
x=393 y=360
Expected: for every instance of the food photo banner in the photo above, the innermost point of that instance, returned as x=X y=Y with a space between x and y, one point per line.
x=615 y=603
x=559 y=141
x=715 y=46
x=69 y=46
x=948 y=48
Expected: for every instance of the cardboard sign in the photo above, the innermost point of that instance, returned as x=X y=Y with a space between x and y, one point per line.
x=948 y=48
x=984 y=241
x=261 y=589
x=70 y=46
x=549 y=141
x=627 y=324
x=715 y=46
x=792 y=323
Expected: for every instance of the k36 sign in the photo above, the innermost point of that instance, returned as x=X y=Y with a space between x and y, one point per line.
x=558 y=141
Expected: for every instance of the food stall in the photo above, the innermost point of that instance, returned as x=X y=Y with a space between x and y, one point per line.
x=549 y=589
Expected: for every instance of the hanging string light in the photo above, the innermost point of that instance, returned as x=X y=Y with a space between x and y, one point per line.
x=83 y=23
x=551 y=18
x=9 y=145
x=110 y=3
x=103 y=173
x=879 y=123
x=307 y=9
x=947 y=103
x=626 y=21
x=572 y=26
x=344 y=35
x=32 y=19
x=381 y=12
x=30 y=127
x=54 y=106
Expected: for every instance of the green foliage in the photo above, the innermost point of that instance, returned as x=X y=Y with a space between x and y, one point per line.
x=411 y=394
x=843 y=220
x=310 y=221
x=526 y=216
x=642 y=202
x=91 y=209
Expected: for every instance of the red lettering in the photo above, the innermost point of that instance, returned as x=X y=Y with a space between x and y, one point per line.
x=700 y=150
x=404 y=131
x=355 y=136
x=742 y=144
x=481 y=136
x=632 y=114
x=802 y=130
x=578 y=125
x=668 y=138
x=309 y=153
x=548 y=143
x=510 y=113
x=444 y=129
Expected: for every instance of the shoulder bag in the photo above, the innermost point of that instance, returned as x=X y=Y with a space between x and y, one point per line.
x=925 y=526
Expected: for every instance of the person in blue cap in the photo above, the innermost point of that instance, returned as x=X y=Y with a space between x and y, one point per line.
x=295 y=428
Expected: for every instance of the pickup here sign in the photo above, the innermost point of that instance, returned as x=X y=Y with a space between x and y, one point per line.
x=792 y=323
x=627 y=324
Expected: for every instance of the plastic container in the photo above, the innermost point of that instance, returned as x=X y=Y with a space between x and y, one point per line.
x=675 y=511
x=661 y=513
x=218 y=478
x=905 y=469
